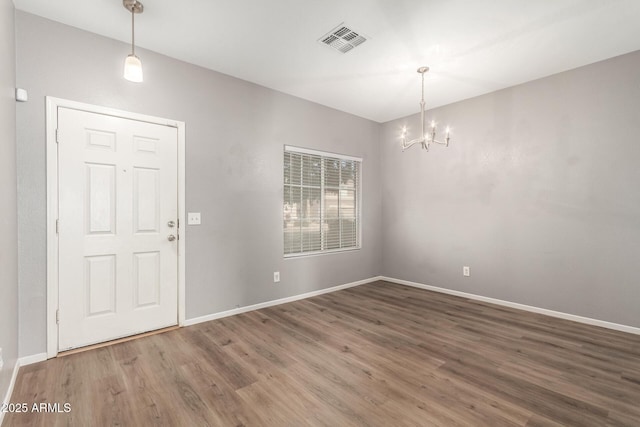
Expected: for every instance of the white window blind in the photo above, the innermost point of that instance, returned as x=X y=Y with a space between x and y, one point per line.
x=321 y=206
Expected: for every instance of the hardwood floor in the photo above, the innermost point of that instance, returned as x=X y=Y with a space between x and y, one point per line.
x=379 y=354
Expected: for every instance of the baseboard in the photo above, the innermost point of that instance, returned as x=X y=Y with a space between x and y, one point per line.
x=12 y=383
x=271 y=303
x=23 y=361
x=552 y=313
x=34 y=358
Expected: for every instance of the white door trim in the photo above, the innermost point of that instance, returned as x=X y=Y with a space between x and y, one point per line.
x=52 y=105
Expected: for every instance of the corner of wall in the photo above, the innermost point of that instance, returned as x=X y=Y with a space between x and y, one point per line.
x=9 y=392
x=8 y=194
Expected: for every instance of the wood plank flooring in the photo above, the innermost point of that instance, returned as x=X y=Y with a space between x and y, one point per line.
x=376 y=355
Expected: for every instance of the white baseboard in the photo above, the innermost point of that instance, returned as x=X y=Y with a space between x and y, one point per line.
x=34 y=358
x=247 y=308
x=23 y=361
x=12 y=383
x=552 y=313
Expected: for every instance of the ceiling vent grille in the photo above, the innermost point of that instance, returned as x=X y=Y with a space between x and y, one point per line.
x=343 y=38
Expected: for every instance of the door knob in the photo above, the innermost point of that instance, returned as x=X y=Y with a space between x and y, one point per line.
x=171 y=224
x=171 y=237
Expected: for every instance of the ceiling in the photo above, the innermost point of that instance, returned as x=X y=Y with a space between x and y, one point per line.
x=472 y=46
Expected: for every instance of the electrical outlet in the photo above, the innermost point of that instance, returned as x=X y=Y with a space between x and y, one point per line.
x=465 y=271
x=1 y=360
x=276 y=276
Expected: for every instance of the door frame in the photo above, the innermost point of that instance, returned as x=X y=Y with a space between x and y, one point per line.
x=52 y=105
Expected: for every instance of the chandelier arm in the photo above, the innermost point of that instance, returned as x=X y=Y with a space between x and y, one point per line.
x=406 y=145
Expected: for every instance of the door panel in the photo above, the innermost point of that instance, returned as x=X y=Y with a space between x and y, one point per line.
x=100 y=284
x=100 y=199
x=146 y=208
x=146 y=273
x=118 y=191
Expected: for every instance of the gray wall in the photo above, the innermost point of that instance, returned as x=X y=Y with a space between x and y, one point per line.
x=8 y=219
x=235 y=136
x=539 y=193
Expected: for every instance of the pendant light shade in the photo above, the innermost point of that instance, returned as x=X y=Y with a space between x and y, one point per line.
x=132 y=64
x=133 y=69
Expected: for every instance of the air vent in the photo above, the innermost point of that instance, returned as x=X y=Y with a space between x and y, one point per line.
x=343 y=38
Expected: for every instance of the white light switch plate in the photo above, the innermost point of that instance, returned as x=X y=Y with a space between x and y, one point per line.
x=193 y=218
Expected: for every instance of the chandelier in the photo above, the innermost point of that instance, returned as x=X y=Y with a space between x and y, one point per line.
x=425 y=138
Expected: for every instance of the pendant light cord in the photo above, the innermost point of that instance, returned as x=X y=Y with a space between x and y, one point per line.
x=133 y=34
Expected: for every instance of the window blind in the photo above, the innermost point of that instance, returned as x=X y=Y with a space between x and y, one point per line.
x=321 y=208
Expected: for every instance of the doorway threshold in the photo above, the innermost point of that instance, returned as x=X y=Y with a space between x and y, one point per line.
x=117 y=341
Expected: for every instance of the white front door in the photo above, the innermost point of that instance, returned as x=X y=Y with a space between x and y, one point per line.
x=118 y=214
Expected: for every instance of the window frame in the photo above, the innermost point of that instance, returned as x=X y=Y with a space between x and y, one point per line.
x=358 y=190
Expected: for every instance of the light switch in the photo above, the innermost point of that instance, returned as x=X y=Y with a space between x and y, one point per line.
x=193 y=218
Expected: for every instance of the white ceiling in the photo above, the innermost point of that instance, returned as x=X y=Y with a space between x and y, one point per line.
x=472 y=46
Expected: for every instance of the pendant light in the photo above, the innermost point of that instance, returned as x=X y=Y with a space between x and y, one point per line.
x=132 y=64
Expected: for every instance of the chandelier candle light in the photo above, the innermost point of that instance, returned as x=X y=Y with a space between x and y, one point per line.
x=132 y=64
x=425 y=138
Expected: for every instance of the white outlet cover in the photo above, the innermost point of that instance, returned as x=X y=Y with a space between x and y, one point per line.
x=193 y=218
x=276 y=276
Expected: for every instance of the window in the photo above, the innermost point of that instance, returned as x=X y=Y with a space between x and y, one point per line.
x=321 y=208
